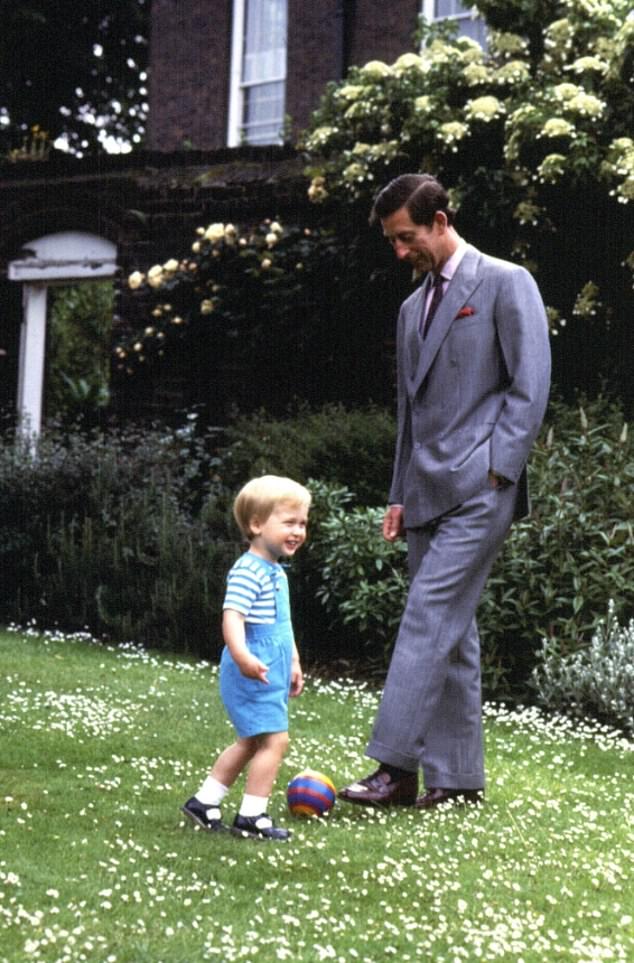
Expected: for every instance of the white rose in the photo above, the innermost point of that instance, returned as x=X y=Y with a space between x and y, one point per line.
x=135 y=280
x=171 y=265
x=215 y=232
x=375 y=70
x=155 y=276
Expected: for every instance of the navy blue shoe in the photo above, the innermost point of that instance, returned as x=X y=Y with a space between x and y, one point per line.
x=207 y=817
x=259 y=827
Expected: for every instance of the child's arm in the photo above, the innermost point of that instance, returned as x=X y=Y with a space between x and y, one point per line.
x=233 y=635
x=297 y=676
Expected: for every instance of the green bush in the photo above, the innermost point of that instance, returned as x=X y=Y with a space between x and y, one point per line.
x=362 y=579
x=353 y=448
x=556 y=570
x=116 y=532
x=79 y=350
x=560 y=565
x=130 y=534
x=597 y=680
x=155 y=576
x=533 y=138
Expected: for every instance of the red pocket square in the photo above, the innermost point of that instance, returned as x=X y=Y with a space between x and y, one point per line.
x=465 y=313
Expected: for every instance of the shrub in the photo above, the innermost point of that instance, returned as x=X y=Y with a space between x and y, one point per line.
x=154 y=576
x=353 y=448
x=116 y=532
x=255 y=315
x=78 y=355
x=576 y=549
x=532 y=136
x=130 y=533
x=359 y=577
x=555 y=572
x=597 y=680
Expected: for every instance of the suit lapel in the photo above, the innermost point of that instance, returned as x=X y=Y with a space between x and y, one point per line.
x=413 y=339
x=460 y=289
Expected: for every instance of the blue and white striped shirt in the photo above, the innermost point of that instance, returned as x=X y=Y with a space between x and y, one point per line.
x=251 y=587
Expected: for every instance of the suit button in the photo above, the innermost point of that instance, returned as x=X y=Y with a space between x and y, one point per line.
x=417 y=444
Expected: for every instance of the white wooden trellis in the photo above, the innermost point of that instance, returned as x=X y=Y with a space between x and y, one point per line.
x=67 y=257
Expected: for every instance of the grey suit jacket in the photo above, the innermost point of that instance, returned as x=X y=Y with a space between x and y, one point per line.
x=472 y=395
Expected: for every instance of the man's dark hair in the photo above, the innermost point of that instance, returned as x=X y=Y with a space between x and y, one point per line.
x=421 y=194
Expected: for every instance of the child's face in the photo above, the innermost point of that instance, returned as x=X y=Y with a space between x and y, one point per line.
x=282 y=533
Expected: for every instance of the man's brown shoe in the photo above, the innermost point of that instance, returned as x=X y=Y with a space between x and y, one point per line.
x=379 y=789
x=458 y=797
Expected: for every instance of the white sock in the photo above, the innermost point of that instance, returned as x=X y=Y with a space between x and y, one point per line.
x=253 y=805
x=212 y=792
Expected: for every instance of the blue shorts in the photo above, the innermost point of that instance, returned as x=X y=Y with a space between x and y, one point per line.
x=253 y=707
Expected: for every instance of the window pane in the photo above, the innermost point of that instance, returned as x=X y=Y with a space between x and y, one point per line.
x=264 y=41
x=476 y=29
x=468 y=26
x=263 y=113
x=449 y=8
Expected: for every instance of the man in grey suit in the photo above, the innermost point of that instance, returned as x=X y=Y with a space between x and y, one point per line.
x=473 y=363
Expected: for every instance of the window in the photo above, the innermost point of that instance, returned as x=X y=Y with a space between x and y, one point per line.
x=258 y=72
x=468 y=25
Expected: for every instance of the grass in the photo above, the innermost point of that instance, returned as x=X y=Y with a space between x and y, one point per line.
x=99 y=746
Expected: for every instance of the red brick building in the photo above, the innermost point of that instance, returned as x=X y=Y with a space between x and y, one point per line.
x=225 y=72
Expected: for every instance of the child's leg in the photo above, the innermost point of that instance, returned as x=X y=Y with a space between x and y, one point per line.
x=252 y=819
x=233 y=760
x=266 y=762
x=204 y=807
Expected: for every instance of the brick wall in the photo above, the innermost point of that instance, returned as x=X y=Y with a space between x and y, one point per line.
x=190 y=53
x=190 y=44
x=149 y=205
x=313 y=56
x=381 y=30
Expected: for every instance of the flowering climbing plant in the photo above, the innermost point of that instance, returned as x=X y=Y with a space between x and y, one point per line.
x=529 y=133
x=532 y=136
x=573 y=100
x=227 y=283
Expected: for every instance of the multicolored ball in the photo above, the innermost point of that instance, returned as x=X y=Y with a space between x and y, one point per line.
x=310 y=793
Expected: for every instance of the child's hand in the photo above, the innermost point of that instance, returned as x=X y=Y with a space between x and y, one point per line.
x=297 y=679
x=252 y=668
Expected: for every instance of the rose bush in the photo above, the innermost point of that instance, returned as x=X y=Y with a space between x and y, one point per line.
x=533 y=138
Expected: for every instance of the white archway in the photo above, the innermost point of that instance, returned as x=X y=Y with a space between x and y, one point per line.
x=63 y=258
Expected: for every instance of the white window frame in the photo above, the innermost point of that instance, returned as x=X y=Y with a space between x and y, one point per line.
x=236 y=85
x=429 y=12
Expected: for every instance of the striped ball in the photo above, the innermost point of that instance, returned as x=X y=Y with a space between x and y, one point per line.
x=310 y=793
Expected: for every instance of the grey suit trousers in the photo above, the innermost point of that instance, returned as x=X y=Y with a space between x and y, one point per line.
x=430 y=714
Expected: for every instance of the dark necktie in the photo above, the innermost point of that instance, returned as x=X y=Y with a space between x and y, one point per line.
x=436 y=298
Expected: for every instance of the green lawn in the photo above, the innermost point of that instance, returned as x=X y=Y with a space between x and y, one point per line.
x=100 y=746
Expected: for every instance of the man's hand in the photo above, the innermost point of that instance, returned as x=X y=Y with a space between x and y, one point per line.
x=497 y=481
x=393 y=523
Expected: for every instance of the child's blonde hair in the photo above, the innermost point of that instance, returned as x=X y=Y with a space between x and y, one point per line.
x=258 y=498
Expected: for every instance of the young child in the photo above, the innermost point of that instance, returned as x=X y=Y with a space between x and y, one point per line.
x=260 y=665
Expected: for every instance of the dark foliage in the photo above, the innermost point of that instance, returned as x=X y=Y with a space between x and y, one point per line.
x=61 y=61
